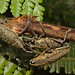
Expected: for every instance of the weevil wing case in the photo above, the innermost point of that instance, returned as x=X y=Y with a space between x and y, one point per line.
x=47 y=58
x=46 y=43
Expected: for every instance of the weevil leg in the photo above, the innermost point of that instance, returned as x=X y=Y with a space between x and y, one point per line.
x=32 y=51
x=32 y=32
x=30 y=24
x=36 y=52
x=28 y=38
x=44 y=33
x=27 y=51
x=62 y=41
x=66 y=35
x=57 y=40
x=23 y=30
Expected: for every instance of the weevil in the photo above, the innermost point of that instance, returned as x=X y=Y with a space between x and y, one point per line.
x=4 y=22
x=10 y=37
x=50 y=56
x=41 y=42
x=44 y=43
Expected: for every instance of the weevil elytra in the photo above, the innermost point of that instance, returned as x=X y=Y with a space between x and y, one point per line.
x=10 y=37
x=49 y=57
x=44 y=43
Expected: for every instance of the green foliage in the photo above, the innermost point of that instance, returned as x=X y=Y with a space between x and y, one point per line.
x=39 y=1
x=27 y=7
x=16 y=7
x=35 y=10
x=3 y=6
x=3 y=62
x=38 y=12
x=17 y=73
x=29 y=72
x=9 y=68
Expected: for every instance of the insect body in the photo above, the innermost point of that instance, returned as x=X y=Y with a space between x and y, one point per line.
x=10 y=37
x=44 y=43
x=49 y=57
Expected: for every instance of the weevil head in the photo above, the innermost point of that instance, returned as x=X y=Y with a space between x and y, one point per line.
x=38 y=61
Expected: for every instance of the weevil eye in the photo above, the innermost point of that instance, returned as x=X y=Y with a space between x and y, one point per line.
x=31 y=62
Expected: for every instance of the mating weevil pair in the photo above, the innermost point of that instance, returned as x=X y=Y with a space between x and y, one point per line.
x=53 y=52
x=54 y=49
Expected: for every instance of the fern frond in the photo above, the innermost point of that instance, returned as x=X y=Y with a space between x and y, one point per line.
x=9 y=68
x=27 y=7
x=3 y=6
x=16 y=7
x=38 y=10
x=17 y=73
x=39 y=1
x=29 y=72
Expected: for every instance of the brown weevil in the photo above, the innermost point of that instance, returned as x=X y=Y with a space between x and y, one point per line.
x=50 y=56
